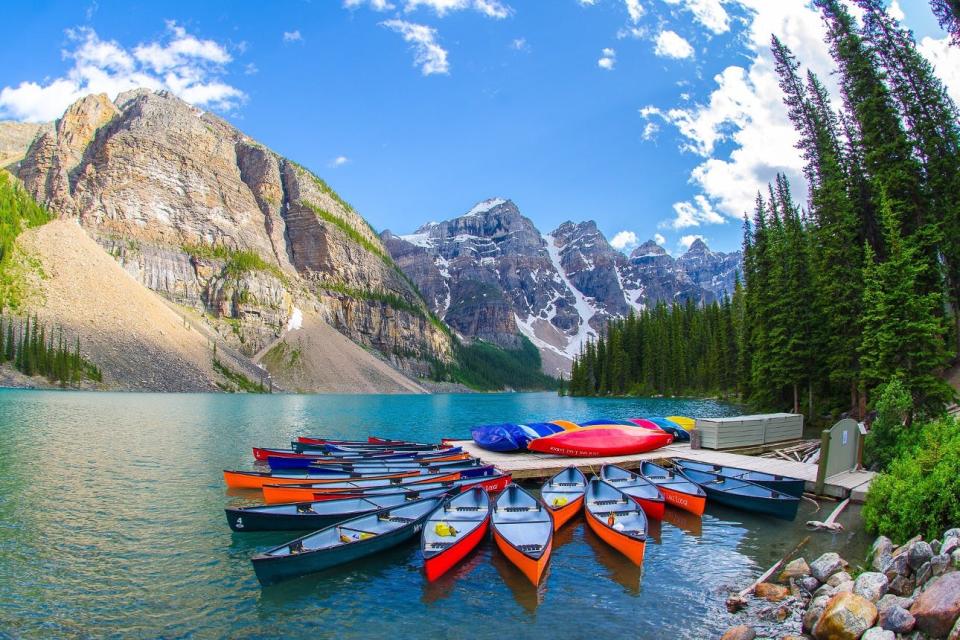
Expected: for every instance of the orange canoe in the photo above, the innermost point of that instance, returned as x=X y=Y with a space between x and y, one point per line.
x=563 y=495
x=257 y=479
x=523 y=531
x=308 y=492
x=616 y=519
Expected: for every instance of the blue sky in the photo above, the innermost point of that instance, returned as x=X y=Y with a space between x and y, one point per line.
x=648 y=116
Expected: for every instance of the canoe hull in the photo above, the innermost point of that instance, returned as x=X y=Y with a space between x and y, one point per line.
x=272 y=569
x=563 y=515
x=653 y=508
x=786 y=510
x=276 y=494
x=630 y=547
x=608 y=440
x=532 y=568
x=439 y=564
x=247 y=521
x=694 y=504
x=256 y=480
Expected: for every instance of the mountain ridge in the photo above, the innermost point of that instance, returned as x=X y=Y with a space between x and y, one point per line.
x=491 y=274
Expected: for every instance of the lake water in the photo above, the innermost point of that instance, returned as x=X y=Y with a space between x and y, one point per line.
x=112 y=525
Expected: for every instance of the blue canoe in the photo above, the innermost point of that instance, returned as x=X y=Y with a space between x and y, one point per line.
x=511 y=437
x=345 y=542
x=783 y=484
x=741 y=494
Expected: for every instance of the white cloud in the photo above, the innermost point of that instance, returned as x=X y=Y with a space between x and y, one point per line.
x=896 y=11
x=635 y=10
x=587 y=3
x=520 y=44
x=250 y=69
x=710 y=13
x=180 y=63
x=339 y=161
x=693 y=214
x=376 y=5
x=650 y=130
x=659 y=239
x=427 y=54
x=672 y=45
x=624 y=240
x=945 y=59
x=490 y=8
x=745 y=113
x=292 y=36
x=686 y=241
x=608 y=58
x=637 y=33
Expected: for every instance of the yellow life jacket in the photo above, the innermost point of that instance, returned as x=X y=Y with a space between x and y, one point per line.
x=444 y=529
x=559 y=501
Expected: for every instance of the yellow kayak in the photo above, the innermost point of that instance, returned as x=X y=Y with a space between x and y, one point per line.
x=683 y=421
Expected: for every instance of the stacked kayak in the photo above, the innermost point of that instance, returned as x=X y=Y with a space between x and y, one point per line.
x=601 y=440
x=679 y=433
x=513 y=437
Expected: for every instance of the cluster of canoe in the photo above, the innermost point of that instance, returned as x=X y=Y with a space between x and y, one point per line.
x=604 y=437
x=361 y=497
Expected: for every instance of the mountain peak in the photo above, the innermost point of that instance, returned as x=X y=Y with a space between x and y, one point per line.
x=648 y=248
x=485 y=205
x=698 y=246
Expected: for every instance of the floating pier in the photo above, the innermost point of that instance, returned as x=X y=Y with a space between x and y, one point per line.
x=529 y=465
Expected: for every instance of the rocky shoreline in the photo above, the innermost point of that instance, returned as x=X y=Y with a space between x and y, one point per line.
x=910 y=592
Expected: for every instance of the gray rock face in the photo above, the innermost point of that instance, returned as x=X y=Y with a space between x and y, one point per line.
x=809 y=584
x=896 y=566
x=557 y=289
x=896 y=619
x=871 y=585
x=880 y=553
x=826 y=565
x=938 y=607
x=877 y=633
x=839 y=578
x=174 y=192
x=919 y=553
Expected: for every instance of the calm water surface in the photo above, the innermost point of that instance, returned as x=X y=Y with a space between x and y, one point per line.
x=112 y=525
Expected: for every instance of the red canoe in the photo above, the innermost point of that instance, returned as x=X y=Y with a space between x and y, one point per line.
x=601 y=440
x=454 y=530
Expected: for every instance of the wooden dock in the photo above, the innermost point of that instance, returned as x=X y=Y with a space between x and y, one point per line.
x=530 y=465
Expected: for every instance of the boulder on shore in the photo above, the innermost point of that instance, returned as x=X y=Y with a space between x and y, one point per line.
x=937 y=609
x=771 y=592
x=795 y=569
x=846 y=617
x=919 y=553
x=876 y=633
x=871 y=585
x=897 y=619
x=740 y=632
x=826 y=565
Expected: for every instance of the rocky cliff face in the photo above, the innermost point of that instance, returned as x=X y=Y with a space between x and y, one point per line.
x=199 y=212
x=491 y=274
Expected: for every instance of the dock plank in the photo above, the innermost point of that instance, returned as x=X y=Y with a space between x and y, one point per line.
x=527 y=465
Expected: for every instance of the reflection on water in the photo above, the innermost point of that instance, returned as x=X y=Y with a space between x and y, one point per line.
x=685 y=520
x=112 y=524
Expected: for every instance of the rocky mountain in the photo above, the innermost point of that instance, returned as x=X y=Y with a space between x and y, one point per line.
x=259 y=247
x=491 y=274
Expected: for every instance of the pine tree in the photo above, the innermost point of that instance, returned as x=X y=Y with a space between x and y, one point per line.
x=948 y=15
x=903 y=335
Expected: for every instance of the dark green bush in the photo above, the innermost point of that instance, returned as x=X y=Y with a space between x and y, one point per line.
x=920 y=493
x=883 y=444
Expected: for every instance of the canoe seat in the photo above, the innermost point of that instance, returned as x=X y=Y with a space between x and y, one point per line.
x=396 y=519
x=603 y=502
x=469 y=509
x=513 y=509
x=568 y=484
x=439 y=545
x=529 y=547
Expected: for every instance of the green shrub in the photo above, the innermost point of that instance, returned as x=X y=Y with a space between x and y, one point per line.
x=18 y=211
x=920 y=493
x=883 y=444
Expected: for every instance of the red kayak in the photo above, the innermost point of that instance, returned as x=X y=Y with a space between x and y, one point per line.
x=601 y=440
x=646 y=424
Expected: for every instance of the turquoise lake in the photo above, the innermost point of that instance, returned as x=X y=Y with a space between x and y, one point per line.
x=112 y=525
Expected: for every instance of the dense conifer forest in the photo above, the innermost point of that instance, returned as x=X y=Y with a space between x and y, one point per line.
x=841 y=294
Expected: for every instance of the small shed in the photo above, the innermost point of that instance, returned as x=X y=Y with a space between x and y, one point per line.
x=749 y=431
